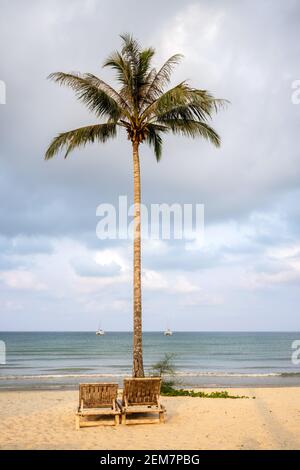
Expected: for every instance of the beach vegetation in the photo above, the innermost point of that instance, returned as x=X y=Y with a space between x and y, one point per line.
x=166 y=369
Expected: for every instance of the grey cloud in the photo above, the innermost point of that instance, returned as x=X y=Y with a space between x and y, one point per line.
x=179 y=259
x=251 y=58
x=7 y=263
x=89 y=268
x=24 y=245
x=258 y=160
x=29 y=245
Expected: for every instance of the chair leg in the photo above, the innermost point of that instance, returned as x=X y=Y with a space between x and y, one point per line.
x=161 y=416
x=123 y=418
x=117 y=420
x=77 y=423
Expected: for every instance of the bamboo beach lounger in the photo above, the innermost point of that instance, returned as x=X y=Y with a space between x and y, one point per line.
x=142 y=396
x=97 y=400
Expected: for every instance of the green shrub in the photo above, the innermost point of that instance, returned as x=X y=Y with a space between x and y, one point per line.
x=165 y=368
x=169 y=391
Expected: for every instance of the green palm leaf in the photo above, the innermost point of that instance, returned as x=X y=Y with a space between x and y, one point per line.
x=154 y=139
x=158 y=80
x=99 y=97
x=80 y=137
x=190 y=128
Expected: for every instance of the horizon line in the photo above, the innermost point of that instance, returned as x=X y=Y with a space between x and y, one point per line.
x=151 y=331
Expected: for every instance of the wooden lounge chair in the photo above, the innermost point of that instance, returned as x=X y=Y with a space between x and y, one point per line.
x=97 y=399
x=142 y=396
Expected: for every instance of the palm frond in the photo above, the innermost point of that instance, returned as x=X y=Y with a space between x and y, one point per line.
x=132 y=66
x=158 y=80
x=80 y=137
x=117 y=62
x=192 y=128
x=123 y=74
x=173 y=97
x=130 y=50
x=145 y=63
x=153 y=138
x=101 y=85
x=184 y=102
x=205 y=100
x=93 y=92
x=142 y=75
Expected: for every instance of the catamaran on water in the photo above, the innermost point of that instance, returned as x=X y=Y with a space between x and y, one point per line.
x=168 y=332
x=100 y=332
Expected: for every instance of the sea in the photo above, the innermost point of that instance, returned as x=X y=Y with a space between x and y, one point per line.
x=62 y=360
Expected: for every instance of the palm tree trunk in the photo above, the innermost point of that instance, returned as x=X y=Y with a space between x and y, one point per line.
x=138 y=368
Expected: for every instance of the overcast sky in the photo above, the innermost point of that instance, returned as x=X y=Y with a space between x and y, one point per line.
x=54 y=272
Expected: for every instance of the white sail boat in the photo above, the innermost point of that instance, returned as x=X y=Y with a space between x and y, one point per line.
x=100 y=332
x=168 y=332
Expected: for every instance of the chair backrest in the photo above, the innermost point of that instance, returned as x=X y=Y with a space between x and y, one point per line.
x=143 y=391
x=96 y=395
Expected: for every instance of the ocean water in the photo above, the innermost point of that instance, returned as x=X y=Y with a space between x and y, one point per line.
x=62 y=360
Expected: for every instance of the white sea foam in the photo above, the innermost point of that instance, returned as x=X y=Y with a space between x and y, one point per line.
x=227 y=374
x=179 y=374
x=58 y=376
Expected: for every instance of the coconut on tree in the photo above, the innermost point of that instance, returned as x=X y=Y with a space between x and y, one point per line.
x=145 y=110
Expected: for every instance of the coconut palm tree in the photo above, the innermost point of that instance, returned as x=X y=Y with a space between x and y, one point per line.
x=145 y=110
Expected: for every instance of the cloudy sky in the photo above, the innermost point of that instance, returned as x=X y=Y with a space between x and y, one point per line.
x=54 y=272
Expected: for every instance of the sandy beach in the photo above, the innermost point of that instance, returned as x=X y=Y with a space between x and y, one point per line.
x=45 y=420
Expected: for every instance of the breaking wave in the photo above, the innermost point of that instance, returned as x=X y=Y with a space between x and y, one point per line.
x=179 y=374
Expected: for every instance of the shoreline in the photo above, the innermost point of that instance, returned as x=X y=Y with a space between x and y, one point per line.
x=186 y=387
x=64 y=382
x=46 y=420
